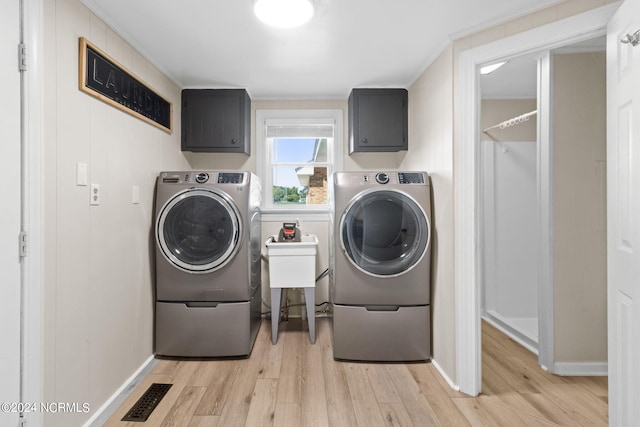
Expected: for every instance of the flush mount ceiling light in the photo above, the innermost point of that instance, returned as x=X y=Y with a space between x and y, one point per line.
x=491 y=68
x=283 y=13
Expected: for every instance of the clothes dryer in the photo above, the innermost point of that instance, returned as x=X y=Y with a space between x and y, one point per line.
x=207 y=238
x=381 y=266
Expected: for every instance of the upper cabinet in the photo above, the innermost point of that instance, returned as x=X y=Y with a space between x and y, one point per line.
x=216 y=120
x=378 y=120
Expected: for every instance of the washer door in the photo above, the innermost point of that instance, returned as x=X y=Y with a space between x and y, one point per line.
x=384 y=232
x=199 y=230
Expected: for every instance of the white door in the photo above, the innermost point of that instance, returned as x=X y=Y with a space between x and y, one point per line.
x=9 y=213
x=623 y=206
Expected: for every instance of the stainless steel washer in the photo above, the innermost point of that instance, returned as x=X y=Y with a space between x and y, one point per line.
x=381 y=266
x=207 y=236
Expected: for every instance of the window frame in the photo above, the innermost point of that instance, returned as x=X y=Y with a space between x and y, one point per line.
x=265 y=154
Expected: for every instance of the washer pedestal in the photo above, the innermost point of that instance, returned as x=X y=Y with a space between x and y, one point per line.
x=381 y=333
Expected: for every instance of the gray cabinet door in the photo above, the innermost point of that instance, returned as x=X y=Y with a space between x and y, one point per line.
x=378 y=120
x=216 y=120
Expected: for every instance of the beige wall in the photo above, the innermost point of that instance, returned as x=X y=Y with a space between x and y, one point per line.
x=431 y=149
x=579 y=208
x=98 y=272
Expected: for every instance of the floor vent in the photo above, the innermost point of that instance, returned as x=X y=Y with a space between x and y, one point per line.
x=147 y=403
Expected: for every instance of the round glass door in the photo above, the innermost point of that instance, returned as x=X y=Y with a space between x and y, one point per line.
x=199 y=230
x=384 y=233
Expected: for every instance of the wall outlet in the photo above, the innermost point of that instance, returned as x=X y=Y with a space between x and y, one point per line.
x=95 y=195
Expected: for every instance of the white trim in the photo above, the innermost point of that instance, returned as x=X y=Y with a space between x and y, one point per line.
x=544 y=183
x=582 y=369
x=303 y=115
x=33 y=304
x=115 y=401
x=444 y=376
x=466 y=155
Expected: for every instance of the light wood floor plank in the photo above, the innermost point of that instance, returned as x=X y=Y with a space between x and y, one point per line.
x=263 y=403
x=418 y=407
x=182 y=410
x=475 y=412
x=220 y=377
x=339 y=403
x=272 y=358
x=203 y=421
x=426 y=376
x=314 y=397
x=395 y=414
x=549 y=409
x=287 y=415
x=365 y=406
x=289 y=384
x=382 y=384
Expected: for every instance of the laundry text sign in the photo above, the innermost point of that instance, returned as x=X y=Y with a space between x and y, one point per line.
x=104 y=78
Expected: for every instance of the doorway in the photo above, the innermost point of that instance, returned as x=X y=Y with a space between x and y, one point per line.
x=540 y=286
x=466 y=161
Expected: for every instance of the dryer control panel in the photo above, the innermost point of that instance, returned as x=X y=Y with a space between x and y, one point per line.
x=391 y=177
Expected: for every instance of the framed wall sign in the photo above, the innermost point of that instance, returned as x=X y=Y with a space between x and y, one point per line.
x=104 y=78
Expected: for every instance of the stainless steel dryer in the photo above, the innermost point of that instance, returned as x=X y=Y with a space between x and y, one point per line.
x=381 y=266
x=207 y=235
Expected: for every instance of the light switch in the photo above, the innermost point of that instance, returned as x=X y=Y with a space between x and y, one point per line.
x=81 y=174
x=135 y=194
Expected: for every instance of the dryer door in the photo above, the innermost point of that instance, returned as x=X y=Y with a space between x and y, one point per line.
x=384 y=232
x=199 y=230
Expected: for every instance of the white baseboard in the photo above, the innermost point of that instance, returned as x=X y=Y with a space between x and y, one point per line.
x=113 y=403
x=582 y=369
x=444 y=375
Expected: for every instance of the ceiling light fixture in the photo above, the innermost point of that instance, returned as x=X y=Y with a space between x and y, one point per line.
x=491 y=68
x=284 y=13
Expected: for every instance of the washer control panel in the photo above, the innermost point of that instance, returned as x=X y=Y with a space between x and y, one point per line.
x=202 y=177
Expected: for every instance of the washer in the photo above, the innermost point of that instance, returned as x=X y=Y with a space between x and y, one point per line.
x=381 y=266
x=207 y=237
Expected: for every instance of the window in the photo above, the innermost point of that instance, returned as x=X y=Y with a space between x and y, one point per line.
x=298 y=151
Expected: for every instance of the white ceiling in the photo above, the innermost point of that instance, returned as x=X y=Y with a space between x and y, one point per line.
x=517 y=79
x=349 y=43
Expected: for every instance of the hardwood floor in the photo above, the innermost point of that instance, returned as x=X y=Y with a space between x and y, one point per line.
x=295 y=383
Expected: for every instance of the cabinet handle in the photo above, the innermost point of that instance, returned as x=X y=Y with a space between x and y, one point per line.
x=233 y=141
x=365 y=141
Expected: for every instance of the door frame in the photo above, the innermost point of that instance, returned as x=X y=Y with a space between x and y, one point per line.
x=468 y=256
x=32 y=265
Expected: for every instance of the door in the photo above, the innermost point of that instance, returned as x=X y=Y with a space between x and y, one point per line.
x=10 y=213
x=384 y=233
x=199 y=230
x=623 y=206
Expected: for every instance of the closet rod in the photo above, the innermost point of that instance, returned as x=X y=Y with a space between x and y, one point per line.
x=512 y=122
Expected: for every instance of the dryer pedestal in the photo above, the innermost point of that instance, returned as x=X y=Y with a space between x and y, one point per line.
x=202 y=329
x=381 y=334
